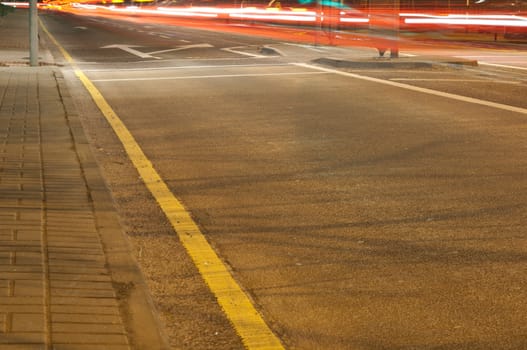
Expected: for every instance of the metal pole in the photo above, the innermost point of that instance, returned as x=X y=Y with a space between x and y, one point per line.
x=394 y=50
x=33 y=33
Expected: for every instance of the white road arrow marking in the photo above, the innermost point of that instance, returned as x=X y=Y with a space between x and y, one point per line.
x=238 y=52
x=128 y=48
x=179 y=48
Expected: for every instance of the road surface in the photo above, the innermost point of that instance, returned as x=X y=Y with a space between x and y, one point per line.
x=358 y=208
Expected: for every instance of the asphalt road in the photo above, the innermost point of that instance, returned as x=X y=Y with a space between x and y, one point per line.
x=357 y=214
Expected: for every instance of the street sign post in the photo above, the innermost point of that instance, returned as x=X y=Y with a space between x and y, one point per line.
x=384 y=25
x=33 y=33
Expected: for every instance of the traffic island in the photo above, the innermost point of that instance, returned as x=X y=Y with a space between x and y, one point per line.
x=413 y=62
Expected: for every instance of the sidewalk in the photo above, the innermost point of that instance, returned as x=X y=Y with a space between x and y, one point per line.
x=67 y=278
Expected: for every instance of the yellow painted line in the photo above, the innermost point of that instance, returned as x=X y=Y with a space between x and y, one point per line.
x=247 y=321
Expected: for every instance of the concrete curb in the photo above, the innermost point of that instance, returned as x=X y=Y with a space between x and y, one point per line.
x=138 y=313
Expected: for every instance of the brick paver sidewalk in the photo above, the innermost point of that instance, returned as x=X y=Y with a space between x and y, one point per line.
x=54 y=285
x=67 y=279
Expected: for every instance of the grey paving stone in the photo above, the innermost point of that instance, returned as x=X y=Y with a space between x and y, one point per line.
x=60 y=276
x=21 y=268
x=21 y=338
x=27 y=322
x=91 y=347
x=26 y=346
x=27 y=258
x=90 y=338
x=83 y=293
x=81 y=301
x=22 y=308
x=89 y=285
x=28 y=287
x=21 y=276
x=27 y=234
x=92 y=328
x=87 y=310
x=85 y=318
x=20 y=300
